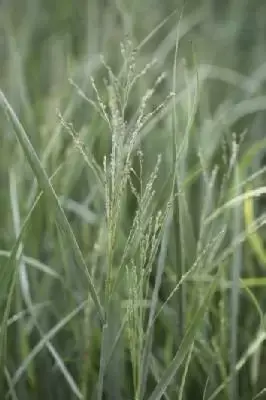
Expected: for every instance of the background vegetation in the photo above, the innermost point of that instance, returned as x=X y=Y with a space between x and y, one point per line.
x=132 y=172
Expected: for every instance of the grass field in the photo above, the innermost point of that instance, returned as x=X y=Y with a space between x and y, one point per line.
x=132 y=200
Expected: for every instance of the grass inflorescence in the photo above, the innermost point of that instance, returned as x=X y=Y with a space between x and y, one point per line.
x=132 y=172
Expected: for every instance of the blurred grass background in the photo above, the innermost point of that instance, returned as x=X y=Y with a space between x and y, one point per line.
x=220 y=83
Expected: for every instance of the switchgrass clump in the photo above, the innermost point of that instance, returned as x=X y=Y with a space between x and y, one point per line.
x=135 y=265
x=143 y=236
x=132 y=249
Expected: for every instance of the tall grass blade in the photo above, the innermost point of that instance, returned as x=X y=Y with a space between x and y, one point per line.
x=149 y=332
x=8 y=279
x=186 y=343
x=102 y=362
x=181 y=393
x=49 y=191
x=234 y=301
x=23 y=287
x=42 y=343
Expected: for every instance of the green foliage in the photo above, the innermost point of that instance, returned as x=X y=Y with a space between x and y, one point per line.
x=132 y=237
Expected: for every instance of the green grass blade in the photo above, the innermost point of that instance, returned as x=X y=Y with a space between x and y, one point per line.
x=102 y=362
x=181 y=393
x=8 y=278
x=61 y=366
x=42 y=343
x=252 y=348
x=23 y=286
x=23 y=279
x=259 y=395
x=48 y=189
x=32 y=262
x=154 y=301
x=234 y=300
x=13 y=394
x=186 y=344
